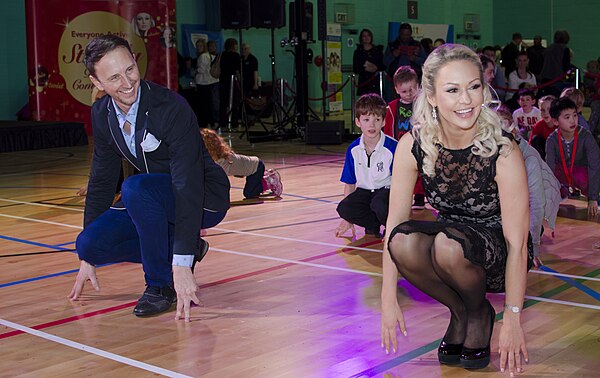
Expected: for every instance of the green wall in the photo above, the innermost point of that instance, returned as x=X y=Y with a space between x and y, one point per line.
x=543 y=17
x=498 y=20
x=13 y=59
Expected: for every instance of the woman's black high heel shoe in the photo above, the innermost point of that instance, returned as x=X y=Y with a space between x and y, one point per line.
x=479 y=358
x=449 y=354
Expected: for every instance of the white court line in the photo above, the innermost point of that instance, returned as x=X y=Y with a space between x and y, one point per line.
x=328 y=267
x=564 y=275
x=271 y=214
x=540 y=299
x=296 y=262
x=298 y=240
x=574 y=304
x=42 y=205
x=92 y=350
x=41 y=221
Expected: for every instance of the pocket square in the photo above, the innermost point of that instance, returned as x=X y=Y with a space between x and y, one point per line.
x=150 y=143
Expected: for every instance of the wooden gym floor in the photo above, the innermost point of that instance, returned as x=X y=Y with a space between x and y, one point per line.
x=281 y=296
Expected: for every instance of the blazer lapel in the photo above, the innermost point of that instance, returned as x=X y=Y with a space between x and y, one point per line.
x=142 y=116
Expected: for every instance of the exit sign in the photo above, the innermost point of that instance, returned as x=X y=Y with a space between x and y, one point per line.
x=341 y=18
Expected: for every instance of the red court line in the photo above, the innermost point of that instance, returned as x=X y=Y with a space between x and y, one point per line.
x=210 y=284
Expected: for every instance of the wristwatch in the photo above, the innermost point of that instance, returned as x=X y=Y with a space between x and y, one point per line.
x=514 y=309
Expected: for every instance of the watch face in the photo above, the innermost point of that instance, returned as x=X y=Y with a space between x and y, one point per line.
x=515 y=309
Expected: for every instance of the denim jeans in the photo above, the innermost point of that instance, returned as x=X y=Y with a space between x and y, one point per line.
x=143 y=232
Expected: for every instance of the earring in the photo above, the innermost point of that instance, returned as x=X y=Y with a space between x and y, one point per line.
x=434 y=114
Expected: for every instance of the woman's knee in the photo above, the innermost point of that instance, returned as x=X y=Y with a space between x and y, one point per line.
x=448 y=253
x=403 y=247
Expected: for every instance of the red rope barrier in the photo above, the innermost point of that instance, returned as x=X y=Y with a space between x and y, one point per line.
x=333 y=94
x=547 y=84
x=375 y=76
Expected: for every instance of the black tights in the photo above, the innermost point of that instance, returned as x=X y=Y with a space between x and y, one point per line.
x=436 y=265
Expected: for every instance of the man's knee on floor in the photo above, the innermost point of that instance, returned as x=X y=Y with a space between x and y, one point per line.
x=87 y=245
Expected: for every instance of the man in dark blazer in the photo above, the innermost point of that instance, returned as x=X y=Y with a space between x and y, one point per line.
x=178 y=191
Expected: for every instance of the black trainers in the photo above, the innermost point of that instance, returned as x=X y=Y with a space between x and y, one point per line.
x=155 y=300
x=201 y=254
x=419 y=203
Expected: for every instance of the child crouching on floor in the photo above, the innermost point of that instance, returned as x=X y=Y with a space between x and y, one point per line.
x=367 y=171
x=257 y=180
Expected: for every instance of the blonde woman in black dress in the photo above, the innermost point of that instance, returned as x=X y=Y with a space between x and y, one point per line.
x=474 y=176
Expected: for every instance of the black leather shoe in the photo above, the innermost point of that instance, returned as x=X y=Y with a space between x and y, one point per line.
x=449 y=354
x=201 y=254
x=479 y=358
x=155 y=300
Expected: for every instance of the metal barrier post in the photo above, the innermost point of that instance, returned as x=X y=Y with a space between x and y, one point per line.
x=281 y=99
x=352 y=102
x=230 y=107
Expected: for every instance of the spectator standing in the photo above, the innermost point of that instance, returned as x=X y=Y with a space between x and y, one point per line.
x=403 y=51
x=230 y=64
x=249 y=71
x=536 y=56
x=510 y=52
x=367 y=60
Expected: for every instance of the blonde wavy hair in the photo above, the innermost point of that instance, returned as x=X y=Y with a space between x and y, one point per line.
x=426 y=131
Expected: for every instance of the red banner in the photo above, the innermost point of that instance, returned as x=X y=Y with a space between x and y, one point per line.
x=58 y=32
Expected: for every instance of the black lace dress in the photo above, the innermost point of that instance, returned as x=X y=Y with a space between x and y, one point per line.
x=465 y=194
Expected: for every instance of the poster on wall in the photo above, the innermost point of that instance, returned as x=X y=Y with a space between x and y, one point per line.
x=334 y=67
x=58 y=32
x=191 y=33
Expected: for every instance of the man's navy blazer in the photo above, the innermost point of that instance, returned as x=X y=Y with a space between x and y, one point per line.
x=198 y=182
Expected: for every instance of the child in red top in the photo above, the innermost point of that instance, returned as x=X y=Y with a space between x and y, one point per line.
x=398 y=113
x=544 y=127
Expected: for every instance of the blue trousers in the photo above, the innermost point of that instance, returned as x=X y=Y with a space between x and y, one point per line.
x=143 y=232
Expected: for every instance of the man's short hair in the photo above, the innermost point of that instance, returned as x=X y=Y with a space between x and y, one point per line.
x=99 y=47
x=517 y=36
x=560 y=105
x=488 y=47
x=485 y=61
x=526 y=92
x=405 y=74
x=405 y=25
x=370 y=103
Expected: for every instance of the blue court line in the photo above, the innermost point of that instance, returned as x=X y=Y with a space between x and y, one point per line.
x=572 y=282
x=38 y=278
x=59 y=247
x=63 y=244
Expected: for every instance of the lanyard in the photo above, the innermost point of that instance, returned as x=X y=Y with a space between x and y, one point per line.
x=568 y=172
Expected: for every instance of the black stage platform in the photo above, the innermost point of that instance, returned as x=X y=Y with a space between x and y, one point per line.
x=32 y=135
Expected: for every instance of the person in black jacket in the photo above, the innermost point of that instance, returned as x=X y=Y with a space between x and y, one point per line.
x=179 y=189
x=367 y=60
